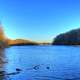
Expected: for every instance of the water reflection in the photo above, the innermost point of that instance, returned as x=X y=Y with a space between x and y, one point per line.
x=33 y=63
x=2 y=64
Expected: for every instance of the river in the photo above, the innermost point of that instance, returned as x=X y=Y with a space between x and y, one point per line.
x=41 y=63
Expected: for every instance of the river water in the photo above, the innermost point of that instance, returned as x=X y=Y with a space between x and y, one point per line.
x=41 y=63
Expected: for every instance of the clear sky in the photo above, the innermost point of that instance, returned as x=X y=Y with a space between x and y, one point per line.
x=39 y=20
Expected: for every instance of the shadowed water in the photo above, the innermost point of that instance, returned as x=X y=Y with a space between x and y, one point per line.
x=41 y=63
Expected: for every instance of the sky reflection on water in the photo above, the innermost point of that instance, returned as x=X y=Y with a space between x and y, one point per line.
x=41 y=63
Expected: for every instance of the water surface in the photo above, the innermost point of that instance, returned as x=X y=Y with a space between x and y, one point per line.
x=42 y=63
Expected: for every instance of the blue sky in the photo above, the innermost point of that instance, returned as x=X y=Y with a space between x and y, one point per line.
x=39 y=20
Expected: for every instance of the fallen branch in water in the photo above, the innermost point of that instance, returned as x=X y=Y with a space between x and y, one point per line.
x=3 y=73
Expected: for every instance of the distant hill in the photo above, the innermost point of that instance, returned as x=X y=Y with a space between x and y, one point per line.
x=45 y=43
x=69 y=38
x=4 y=41
x=19 y=42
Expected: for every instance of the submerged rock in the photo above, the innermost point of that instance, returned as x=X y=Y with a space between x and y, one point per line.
x=17 y=69
x=36 y=67
x=47 y=67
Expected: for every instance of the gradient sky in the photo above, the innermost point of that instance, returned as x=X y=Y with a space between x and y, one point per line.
x=39 y=20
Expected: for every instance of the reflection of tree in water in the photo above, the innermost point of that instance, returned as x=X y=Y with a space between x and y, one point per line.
x=2 y=56
x=3 y=74
x=2 y=61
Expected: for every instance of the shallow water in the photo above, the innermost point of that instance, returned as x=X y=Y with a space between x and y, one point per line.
x=42 y=63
